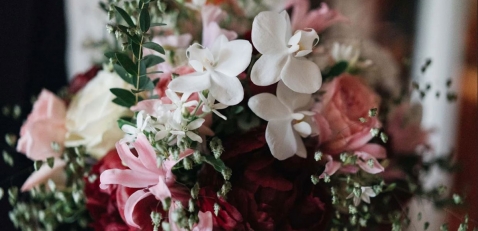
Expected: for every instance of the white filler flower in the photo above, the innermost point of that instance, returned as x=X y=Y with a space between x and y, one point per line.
x=216 y=69
x=286 y=120
x=365 y=194
x=283 y=54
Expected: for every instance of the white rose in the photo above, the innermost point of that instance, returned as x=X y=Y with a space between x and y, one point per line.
x=92 y=116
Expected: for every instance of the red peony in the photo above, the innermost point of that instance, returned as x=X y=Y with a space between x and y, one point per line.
x=270 y=194
x=102 y=205
x=80 y=80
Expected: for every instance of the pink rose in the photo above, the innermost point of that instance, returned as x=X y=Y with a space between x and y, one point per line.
x=44 y=125
x=404 y=129
x=345 y=101
x=165 y=78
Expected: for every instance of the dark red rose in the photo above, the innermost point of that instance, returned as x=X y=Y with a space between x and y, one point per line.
x=80 y=80
x=228 y=217
x=271 y=194
x=102 y=204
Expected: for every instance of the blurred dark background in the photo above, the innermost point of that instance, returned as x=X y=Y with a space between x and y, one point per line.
x=32 y=57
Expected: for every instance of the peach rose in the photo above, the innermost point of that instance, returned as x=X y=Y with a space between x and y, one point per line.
x=345 y=101
x=45 y=125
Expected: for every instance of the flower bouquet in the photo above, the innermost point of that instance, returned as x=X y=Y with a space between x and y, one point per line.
x=223 y=115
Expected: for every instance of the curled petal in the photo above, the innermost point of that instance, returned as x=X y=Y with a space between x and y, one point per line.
x=193 y=82
x=146 y=153
x=281 y=139
x=268 y=107
x=43 y=174
x=301 y=75
x=269 y=33
x=205 y=222
x=226 y=89
x=267 y=69
x=130 y=205
x=331 y=167
x=127 y=177
x=374 y=150
x=303 y=129
x=129 y=158
x=364 y=164
x=161 y=190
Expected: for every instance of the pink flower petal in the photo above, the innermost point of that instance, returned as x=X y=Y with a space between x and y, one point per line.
x=331 y=167
x=43 y=174
x=363 y=160
x=161 y=190
x=131 y=203
x=130 y=159
x=126 y=177
x=205 y=222
x=146 y=153
x=374 y=150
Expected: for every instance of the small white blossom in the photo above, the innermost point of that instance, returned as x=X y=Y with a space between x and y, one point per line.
x=216 y=68
x=283 y=54
x=365 y=195
x=210 y=106
x=141 y=125
x=185 y=129
x=348 y=53
x=287 y=122
x=179 y=104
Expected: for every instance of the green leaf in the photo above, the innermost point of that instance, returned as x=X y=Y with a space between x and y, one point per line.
x=154 y=46
x=122 y=73
x=50 y=161
x=128 y=98
x=145 y=83
x=151 y=60
x=157 y=24
x=37 y=164
x=126 y=63
x=133 y=37
x=144 y=20
x=110 y=54
x=125 y=16
x=337 y=69
x=122 y=103
x=215 y=163
x=122 y=122
x=136 y=50
x=426 y=225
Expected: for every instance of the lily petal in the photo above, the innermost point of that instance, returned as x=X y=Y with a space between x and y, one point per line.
x=127 y=177
x=301 y=75
x=161 y=190
x=131 y=203
x=205 y=222
x=146 y=153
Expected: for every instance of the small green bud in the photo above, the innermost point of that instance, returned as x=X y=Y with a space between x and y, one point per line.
x=50 y=161
x=11 y=139
x=195 y=191
x=374 y=131
x=318 y=155
x=315 y=179
x=216 y=208
x=372 y=112
x=226 y=173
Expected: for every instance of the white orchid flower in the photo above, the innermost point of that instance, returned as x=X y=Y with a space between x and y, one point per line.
x=184 y=129
x=216 y=68
x=131 y=131
x=283 y=54
x=211 y=106
x=366 y=193
x=286 y=120
x=179 y=104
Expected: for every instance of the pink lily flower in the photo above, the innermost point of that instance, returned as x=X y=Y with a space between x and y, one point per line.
x=211 y=15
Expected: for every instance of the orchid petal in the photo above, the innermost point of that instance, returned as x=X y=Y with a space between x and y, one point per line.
x=308 y=72
x=269 y=32
x=281 y=139
x=292 y=99
x=268 y=107
x=267 y=69
x=226 y=89
x=303 y=129
x=301 y=150
x=131 y=203
x=234 y=57
x=191 y=82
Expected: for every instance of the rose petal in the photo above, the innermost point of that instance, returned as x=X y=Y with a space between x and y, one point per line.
x=374 y=150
